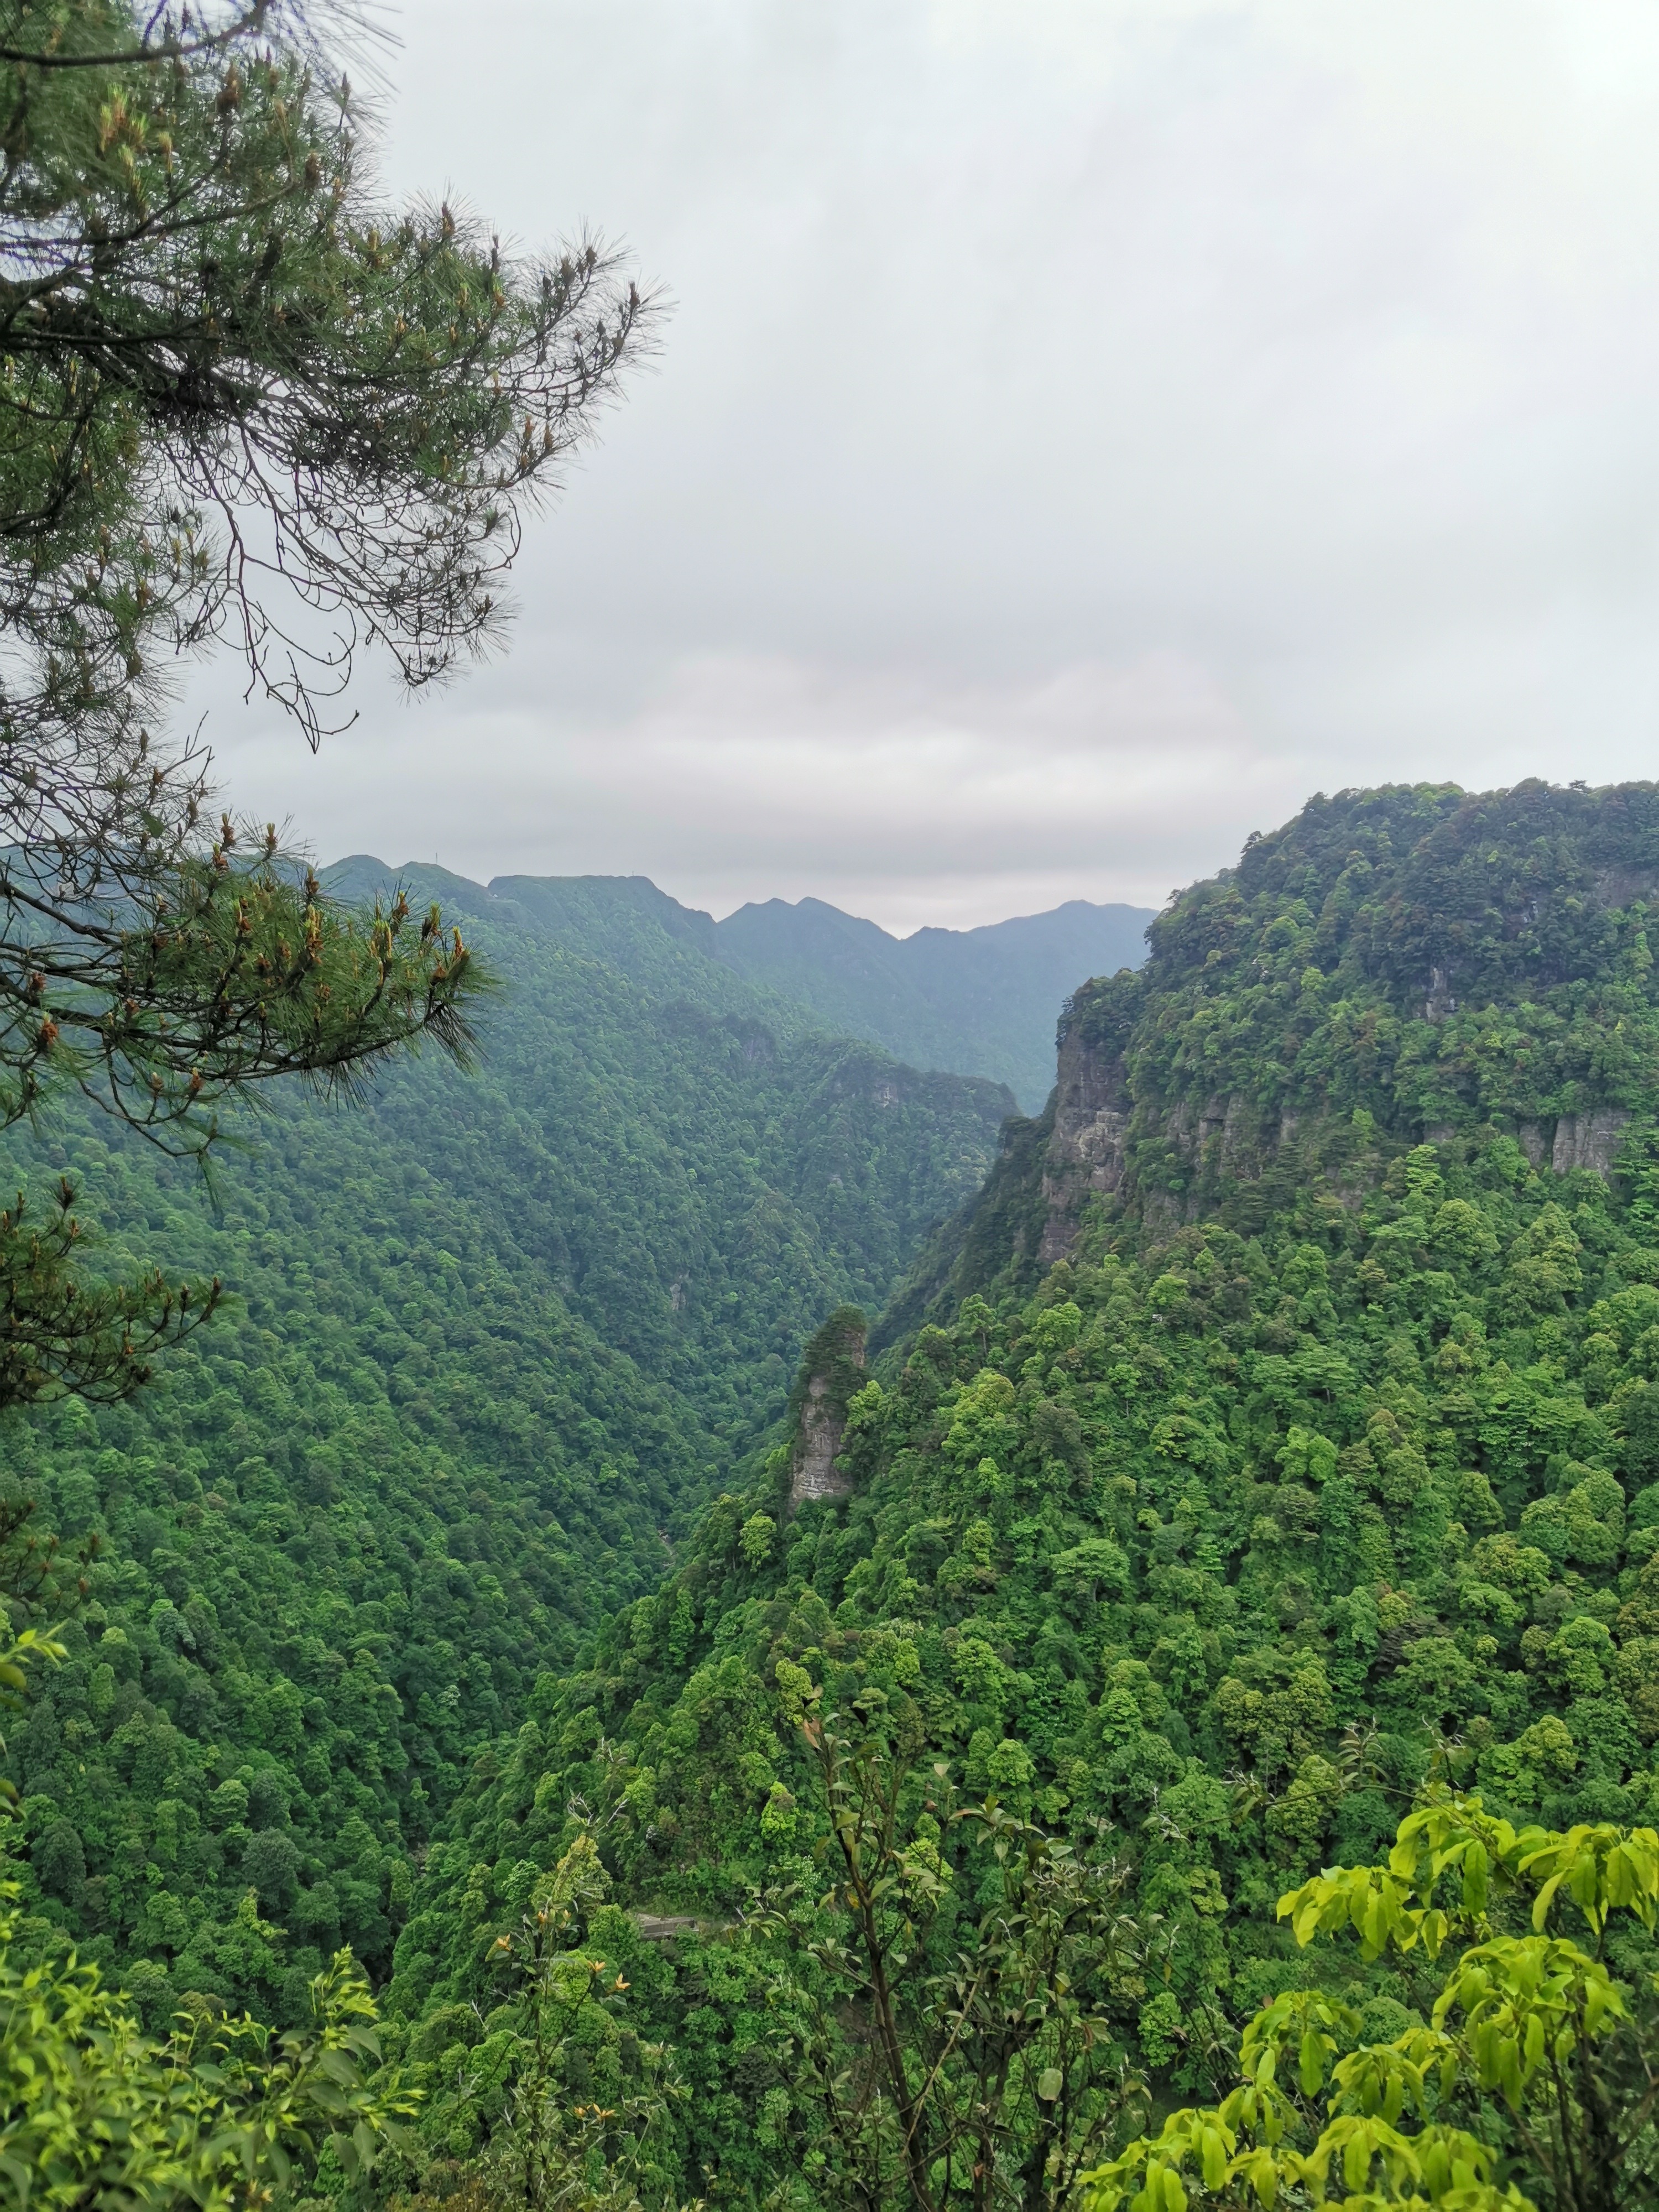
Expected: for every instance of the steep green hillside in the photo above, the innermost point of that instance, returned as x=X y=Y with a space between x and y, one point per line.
x=1436 y=962
x=980 y=999
x=702 y=1168
x=1292 y=1437
x=975 y=1000
x=489 y=1338
x=342 y=1535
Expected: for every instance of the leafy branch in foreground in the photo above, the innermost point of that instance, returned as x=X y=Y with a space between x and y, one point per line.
x=1538 y=2064
x=571 y=2104
x=95 y=2113
x=987 y=2066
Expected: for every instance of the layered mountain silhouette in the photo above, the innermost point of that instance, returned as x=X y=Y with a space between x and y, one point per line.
x=972 y=1001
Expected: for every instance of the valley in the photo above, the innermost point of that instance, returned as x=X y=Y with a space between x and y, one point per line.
x=1197 y=1472
x=490 y=1339
x=663 y=1564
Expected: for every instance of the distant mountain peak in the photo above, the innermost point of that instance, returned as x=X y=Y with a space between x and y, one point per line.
x=981 y=1001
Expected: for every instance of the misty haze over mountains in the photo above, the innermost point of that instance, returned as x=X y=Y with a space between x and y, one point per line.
x=978 y=1001
x=972 y=1002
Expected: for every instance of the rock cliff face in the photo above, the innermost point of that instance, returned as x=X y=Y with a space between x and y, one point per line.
x=814 y=1473
x=1086 y=1150
x=1087 y=1153
x=1588 y=1140
x=1408 y=965
x=833 y=1368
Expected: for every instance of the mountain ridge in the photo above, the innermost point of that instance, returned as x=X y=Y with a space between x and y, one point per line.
x=978 y=1001
x=489 y=1339
x=1419 y=958
x=1219 y=1488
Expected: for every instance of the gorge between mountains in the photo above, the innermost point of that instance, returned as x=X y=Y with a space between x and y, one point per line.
x=1190 y=1474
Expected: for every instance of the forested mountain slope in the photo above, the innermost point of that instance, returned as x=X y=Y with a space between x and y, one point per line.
x=488 y=1337
x=1414 y=959
x=699 y=1165
x=978 y=1001
x=1292 y=1436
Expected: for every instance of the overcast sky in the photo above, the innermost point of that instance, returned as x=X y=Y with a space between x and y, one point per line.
x=1086 y=428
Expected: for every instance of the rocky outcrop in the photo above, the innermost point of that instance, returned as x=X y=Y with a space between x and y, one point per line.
x=1341 y=960
x=1536 y=1139
x=1086 y=1150
x=665 y=1927
x=1624 y=884
x=1588 y=1140
x=834 y=1367
x=1224 y=1137
x=1087 y=1153
x=813 y=1472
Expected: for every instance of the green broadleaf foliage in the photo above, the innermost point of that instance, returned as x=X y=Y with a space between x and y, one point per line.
x=1313 y=1472
x=489 y=1339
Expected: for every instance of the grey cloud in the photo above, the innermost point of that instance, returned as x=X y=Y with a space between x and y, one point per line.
x=1084 y=430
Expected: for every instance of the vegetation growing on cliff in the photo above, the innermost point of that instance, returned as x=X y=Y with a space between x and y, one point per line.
x=1433 y=959
x=1318 y=1480
x=1413 y=960
x=489 y=1340
x=1206 y=1552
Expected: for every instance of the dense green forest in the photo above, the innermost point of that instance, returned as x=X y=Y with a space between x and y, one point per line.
x=683 y=1615
x=489 y=1339
x=1322 y=1467
x=701 y=1167
x=979 y=1001
x=1257 y=1475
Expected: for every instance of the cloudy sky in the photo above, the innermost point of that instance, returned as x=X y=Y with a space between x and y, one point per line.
x=1085 y=428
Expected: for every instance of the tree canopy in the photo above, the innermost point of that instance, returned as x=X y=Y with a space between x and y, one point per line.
x=1315 y=1485
x=493 y=1337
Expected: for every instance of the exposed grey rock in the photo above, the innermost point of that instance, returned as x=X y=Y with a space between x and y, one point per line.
x=813 y=1472
x=1589 y=1140
x=1537 y=1140
x=1440 y=1001
x=1623 y=886
x=1085 y=1152
x=663 y=1927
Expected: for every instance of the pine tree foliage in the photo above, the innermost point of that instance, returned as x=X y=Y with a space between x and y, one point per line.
x=242 y=399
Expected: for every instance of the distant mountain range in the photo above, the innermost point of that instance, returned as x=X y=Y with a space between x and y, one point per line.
x=978 y=1001
x=971 y=1001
